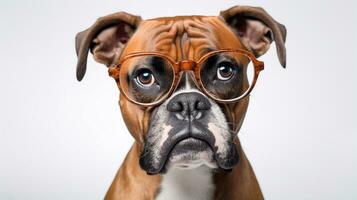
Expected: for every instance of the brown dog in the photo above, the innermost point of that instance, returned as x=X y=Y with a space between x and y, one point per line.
x=185 y=99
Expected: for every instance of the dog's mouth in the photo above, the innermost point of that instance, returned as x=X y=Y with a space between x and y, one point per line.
x=190 y=153
x=187 y=142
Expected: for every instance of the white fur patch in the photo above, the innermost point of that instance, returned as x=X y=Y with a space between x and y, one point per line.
x=187 y=184
x=165 y=133
x=220 y=141
x=196 y=160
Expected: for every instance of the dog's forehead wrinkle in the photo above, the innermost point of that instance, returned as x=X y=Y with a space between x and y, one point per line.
x=180 y=37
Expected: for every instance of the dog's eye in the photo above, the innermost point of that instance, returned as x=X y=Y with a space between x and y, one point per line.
x=145 y=78
x=225 y=71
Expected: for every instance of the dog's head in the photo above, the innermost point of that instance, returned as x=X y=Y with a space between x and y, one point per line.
x=188 y=127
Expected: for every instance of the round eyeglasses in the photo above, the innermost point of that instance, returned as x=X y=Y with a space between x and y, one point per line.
x=226 y=75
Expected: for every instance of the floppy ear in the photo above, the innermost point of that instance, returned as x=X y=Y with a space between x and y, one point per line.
x=256 y=30
x=105 y=39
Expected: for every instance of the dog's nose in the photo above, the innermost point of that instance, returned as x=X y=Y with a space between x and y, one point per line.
x=189 y=105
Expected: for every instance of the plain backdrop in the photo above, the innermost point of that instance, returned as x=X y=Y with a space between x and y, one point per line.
x=63 y=139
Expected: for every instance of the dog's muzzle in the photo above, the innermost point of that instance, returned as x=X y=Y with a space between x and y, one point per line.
x=187 y=123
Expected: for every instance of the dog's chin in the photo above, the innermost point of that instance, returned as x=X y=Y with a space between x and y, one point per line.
x=190 y=153
x=187 y=150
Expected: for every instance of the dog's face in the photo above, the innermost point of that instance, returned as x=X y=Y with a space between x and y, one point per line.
x=188 y=128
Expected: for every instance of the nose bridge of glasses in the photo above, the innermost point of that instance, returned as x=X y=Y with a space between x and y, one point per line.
x=186 y=65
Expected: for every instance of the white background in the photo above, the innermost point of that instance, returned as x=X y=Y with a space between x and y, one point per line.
x=61 y=139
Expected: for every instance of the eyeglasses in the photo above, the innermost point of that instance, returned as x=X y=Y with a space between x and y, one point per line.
x=148 y=78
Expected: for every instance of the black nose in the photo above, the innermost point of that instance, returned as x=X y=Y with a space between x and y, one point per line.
x=189 y=105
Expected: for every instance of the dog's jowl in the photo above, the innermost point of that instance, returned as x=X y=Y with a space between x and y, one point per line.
x=184 y=86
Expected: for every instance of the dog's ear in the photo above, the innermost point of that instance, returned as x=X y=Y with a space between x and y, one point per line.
x=105 y=39
x=256 y=30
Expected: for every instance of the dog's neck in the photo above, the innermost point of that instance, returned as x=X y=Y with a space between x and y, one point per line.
x=187 y=184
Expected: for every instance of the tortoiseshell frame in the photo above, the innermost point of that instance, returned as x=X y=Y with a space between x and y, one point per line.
x=189 y=65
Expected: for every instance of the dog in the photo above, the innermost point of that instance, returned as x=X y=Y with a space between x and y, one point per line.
x=184 y=93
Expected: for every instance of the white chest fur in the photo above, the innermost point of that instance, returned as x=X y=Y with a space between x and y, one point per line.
x=187 y=184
